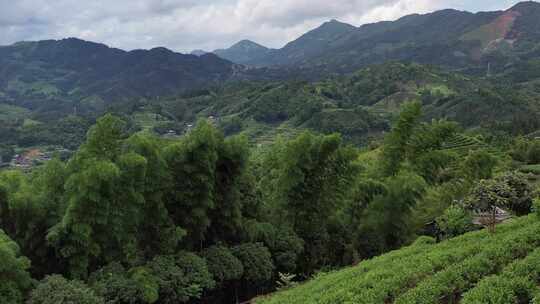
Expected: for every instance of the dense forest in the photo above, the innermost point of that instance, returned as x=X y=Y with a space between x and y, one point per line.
x=359 y=106
x=135 y=218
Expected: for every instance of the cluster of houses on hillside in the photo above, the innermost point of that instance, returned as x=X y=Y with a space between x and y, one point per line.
x=34 y=157
x=29 y=159
x=187 y=128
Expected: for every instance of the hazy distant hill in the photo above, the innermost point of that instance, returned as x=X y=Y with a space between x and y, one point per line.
x=450 y=38
x=198 y=52
x=77 y=70
x=312 y=44
x=244 y=52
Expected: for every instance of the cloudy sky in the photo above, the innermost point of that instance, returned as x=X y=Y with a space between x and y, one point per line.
x=184 y=25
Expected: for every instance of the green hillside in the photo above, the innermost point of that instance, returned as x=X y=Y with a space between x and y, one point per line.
x=478 y=267
x=360 y=106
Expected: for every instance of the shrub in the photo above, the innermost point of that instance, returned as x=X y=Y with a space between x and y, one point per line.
x=521 y=202
x=536 y=207
x=455 y=221
x=479 y=165
x=424 y=240
x=533 y=152
x=515 y=284
x=520 y=149
x=146 y=283
x=284 y=244
x=14 y=277
x=510 y=190
x=116 y=285
x=231 y=126
x=257 y=262
x=461 y=276
x=180 y=277
x=56 y=289
x=6 y=153
x=437 y=273
x=222 y=264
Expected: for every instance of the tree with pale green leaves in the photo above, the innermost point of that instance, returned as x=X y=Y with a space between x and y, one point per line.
x=192 y=162
x=311 y=178
x=205 y=194
x=104 y=202
x=55 y=289
x=395 y=147
x=479 y=164
x=181 y=277
x=15 y=280
x=158 y=234
x=387 y=222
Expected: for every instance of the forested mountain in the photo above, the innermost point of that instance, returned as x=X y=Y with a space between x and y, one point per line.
x=360 y=106
x=70 y=71
x=311 y=44
x=450 y=38
x=244 y=52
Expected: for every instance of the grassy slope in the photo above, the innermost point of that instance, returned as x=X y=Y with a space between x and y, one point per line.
x=435 y=273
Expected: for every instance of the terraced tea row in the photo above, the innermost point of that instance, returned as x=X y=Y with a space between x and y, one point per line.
x=430 y=273
x=461 y=142
x=516 y=284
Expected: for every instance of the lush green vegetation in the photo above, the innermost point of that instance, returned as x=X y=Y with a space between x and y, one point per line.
x=478 y=267
x=360 y=106
x=209 y=182
x=135 y=218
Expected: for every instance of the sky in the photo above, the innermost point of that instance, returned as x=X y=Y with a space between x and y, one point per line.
x=185 y=25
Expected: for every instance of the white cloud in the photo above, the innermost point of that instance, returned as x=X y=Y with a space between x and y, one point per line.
x=184 y=25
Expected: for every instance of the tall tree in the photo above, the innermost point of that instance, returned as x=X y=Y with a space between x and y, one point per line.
x=207 y=172
x=387 y=221
x=103 y=201
x=313 y=178
x=15 y=281
x=226 y=216
x=193 y=167
x=158 y=233
x=396 y=142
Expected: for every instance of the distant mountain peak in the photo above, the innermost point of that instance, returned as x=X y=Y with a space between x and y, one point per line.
x=243 y=52
x=76 y=41
x=247 y=44
x=334 y=21
x=336 y=24
x=322 y=35
x=525 y=5
x=161 y=49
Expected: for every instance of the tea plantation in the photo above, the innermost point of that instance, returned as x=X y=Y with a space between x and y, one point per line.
x=478 y=267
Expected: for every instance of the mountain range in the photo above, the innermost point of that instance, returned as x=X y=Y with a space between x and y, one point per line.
x=73 y=70
x=450 y=38
x=59 y=77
